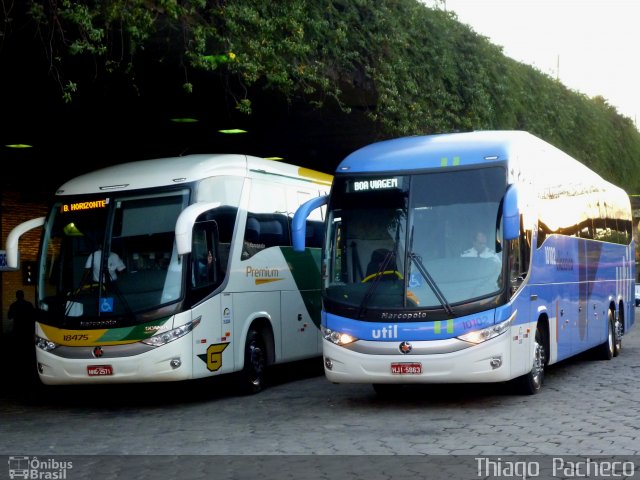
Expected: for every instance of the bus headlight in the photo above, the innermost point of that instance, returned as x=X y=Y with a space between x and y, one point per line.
x=44 y=344
x=339 y=338
x=482 y=335
x=168 y=336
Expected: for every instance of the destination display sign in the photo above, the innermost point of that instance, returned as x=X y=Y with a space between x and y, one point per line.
x=374 y=184
x=89 y=205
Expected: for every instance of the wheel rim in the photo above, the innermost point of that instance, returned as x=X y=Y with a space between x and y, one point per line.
x=610 y=338
x=617 y=335
x=537 y=372
x=256 y=357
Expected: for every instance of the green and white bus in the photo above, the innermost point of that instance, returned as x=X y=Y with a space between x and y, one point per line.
x=200 y=279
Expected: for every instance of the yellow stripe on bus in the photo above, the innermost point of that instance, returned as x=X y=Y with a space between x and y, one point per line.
x=80 y=338
x=260 y=281
x=318 y=177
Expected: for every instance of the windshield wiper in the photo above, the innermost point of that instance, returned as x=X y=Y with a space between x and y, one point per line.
x=431 y=282
x=429 y=279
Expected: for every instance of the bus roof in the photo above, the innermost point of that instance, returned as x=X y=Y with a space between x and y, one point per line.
x=178 y=170
x=441 y=150
x=529 y=158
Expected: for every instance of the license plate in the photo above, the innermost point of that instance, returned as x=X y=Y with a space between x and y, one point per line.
x=406 y=368
x=99 y=370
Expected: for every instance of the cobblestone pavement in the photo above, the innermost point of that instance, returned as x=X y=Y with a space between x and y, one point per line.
x=586 y=407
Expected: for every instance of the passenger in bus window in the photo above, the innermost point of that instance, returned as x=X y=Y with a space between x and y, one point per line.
x=480 y=248
x=204 y=271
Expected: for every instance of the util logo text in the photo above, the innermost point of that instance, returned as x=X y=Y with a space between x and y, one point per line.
x=390 y=331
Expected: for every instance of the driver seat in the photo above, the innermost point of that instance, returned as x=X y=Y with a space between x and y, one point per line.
x=377 y=258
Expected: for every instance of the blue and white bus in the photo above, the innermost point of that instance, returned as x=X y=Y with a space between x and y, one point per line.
x=405 y=298
x=200 y=278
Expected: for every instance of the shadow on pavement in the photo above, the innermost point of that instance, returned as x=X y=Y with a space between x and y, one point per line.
x=21 y=384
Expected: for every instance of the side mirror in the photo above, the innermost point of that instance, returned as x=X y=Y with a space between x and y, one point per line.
x=511 y=214
x=185 y=222
x=13 y=239
x=299 y=222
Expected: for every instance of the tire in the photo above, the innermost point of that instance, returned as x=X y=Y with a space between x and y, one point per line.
x=251 y=379
x=606 y=350
x=617 y=335
x=531 y=383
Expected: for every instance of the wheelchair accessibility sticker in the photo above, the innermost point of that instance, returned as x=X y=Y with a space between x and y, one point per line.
x=415 y=280
x=106 y=304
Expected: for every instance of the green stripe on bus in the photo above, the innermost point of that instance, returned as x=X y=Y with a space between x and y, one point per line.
x=305 y=268
x=437 y=327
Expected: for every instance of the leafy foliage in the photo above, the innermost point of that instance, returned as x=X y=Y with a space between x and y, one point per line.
x=412 y=69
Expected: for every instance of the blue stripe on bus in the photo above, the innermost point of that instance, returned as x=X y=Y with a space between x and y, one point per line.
x=414 y=331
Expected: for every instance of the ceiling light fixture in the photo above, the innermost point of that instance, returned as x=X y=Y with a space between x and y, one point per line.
x=233 y=130
x=184 y=120
x=19 y=145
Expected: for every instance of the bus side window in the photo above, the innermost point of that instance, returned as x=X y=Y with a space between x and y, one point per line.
x=273 y=233
x=314 y=234
x=252 y=238
x=204 y=255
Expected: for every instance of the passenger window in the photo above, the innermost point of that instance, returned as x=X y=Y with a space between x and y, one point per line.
x=252 y=238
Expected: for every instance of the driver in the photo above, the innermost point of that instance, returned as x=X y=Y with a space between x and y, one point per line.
x=480 y=248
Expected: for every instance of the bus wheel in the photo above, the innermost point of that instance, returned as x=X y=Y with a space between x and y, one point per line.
x=617 y=335
x=606 y=350
x=251 y=378
x=531 y=383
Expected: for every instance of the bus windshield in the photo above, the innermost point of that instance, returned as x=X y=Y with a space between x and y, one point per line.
x=422 y=241
x=140 y=270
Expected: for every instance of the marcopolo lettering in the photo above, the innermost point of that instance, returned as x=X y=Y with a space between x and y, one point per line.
x=403 y=315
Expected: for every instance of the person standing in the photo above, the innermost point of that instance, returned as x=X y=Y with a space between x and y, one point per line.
x=21 y=312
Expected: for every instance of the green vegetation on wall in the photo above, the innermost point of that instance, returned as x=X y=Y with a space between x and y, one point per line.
x=413 y=69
